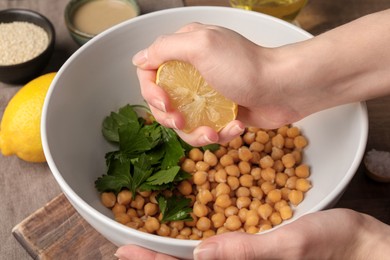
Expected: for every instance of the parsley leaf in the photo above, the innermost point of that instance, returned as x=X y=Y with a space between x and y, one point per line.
x=174 y=208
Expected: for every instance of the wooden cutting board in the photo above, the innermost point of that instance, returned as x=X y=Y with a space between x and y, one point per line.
x=57 y=231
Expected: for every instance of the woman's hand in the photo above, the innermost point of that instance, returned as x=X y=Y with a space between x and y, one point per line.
x=330 y=234
x=233 y=65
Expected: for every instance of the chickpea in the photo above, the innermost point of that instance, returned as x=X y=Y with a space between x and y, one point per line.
x=210 y=158
x=185 y=187
x=152 y=224
x=233 y=182
x=288 y=160
x=256 y=192
x=188 y=165
x=211 y=175
x=150 y=209
x=255 y=158
x=221 y=151
x=180 y=236
x=262 y=137
x=164 y=230
x=242 y=192
x=203 y=224
x=266 y=162
x=222 y=230
x=268 y=147
x=242 y=214
x=278 y=141
x=249 y=137
x=220 y=176
x=231 y=210
x=204 y=186
x=255 y=204
x=108 y=199
x=236 y=142
x=290 y=172
x=264 y=211
x=256 y=173
x=278 y=166
x=195 y=154
x=199 y=177
x=246 y=180
x=277 y=153
x=300 y=142
x=153 y=197
x=256 y=147
x=223 y=201
x=281 y=179
x=295 y=197
x=118 y=208
x=278 y=205
x=267 y=187
x=178 y=224
x=222 y=188
x=303 y=184
x=252 y=230
x=298 y=156
x=244 y=154
x=233 y=223
x=145 y=194
x=186 y=231
x=133 y=225
x=218 y=209
x=208 y=233
x=204 y=196
x=268 y=174
x=197 y=232
x=194 y=237
x=174 y=233
x=274 y=195
x=285 y=192
x=291 y=182
x=218 y=219
x=122 y=218
x=202 y=166
x=200 y=210
x=226 y=160
x=232 y=170
x=252 y=218
x=124 y=197
x=293 y=132
x=282 y=130
x=264 y=227
x=132 y=212
x=244 y=167
x=275 y=218
x=243 y=202
x=302 y=171
x=289 y=143
x=286 y=212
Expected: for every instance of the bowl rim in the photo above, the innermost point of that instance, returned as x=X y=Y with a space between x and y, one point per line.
x=73 y=5
x=115 y=226
x=50 y=31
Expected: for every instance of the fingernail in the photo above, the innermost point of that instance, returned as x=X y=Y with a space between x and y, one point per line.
x=236 y=130
x=171 y=123
x=157 y=103
x=207 y=140
x=140 y=58
x=206 y=251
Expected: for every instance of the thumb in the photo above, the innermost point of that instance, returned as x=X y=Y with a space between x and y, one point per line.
x=236 y=245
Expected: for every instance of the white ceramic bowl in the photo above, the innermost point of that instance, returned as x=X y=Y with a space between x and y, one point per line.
x=99 y=78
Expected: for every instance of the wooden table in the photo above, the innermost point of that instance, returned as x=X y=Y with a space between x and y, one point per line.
x=26 y=187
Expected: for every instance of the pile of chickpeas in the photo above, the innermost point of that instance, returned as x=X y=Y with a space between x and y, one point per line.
x=250 y=184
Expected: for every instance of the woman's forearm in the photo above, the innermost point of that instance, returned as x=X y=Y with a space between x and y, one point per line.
x=347 y=64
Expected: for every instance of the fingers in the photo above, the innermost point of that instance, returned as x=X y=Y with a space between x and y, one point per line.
x=236 y=245
x=135 y=252
x=201 y=136
x=169 y=47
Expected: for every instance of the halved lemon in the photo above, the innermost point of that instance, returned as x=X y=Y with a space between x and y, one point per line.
x=199 y=103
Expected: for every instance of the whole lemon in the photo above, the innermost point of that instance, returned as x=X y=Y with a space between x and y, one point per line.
x=20 y=133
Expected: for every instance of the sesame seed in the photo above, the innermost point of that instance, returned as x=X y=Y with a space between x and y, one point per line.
x=20 y=42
